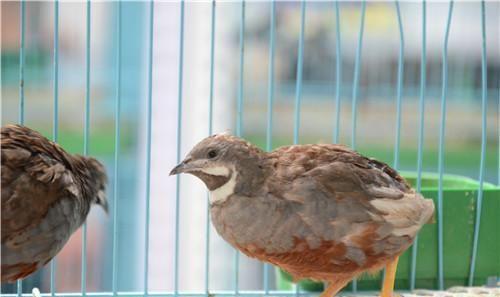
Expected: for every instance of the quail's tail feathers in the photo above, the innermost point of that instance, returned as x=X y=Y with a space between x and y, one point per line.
x=407 y=215
x=429 y=213
x=425 y=207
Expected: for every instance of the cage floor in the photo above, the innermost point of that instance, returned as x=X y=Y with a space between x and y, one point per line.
x=451 y=292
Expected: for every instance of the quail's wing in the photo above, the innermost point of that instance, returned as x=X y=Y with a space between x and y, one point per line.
x=346 y=197
x=34 y=217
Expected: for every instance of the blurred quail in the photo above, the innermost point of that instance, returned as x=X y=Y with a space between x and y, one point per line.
x=46 y=196
x=321 y=211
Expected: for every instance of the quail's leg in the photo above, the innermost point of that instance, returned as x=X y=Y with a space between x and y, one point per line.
x=334 y=287
x=390 y=276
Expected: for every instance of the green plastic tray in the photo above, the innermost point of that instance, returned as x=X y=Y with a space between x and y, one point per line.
x=459 y=202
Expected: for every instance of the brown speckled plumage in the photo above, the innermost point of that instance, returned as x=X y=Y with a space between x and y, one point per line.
x=46 y=196
x=320 y=211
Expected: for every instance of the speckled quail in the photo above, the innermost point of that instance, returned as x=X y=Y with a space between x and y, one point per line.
x=46 y=195
x=321 y=211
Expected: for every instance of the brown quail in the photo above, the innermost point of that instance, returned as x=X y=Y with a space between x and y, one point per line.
x=321 y=211
x=46 y=196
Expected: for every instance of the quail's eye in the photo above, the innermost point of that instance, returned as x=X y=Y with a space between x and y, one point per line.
x=212 y=154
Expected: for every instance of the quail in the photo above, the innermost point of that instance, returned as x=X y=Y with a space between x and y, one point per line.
x=46 y=195
x=319 y=211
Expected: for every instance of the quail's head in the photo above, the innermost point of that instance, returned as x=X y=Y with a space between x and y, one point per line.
x=226 y=164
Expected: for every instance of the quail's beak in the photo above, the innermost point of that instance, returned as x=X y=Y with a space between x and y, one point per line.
x=177 y=169
x=184 y=167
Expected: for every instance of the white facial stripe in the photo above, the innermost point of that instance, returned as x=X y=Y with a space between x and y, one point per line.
x=218 y=170
x=222 y=193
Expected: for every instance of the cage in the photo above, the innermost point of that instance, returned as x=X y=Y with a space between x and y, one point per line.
x=414 y=84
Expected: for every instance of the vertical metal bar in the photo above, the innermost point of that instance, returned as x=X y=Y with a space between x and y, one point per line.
x=355 y=88
x=56 y=71
x=55 y=129
x=86 y=142
x=239 y=124
x=298 y=86
x=338 y=72
x=239 y=117
x=399 y=87
x=148 y=147
x=270 y=90
x=270 y=104
x=357 y=66
x=210 y=130
x=484 y=90
x=423 y=69
x=212 y=54
x=21 y=91
x=441 y=149
x=114 y=278
x=179 y=156
x=21 y=67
